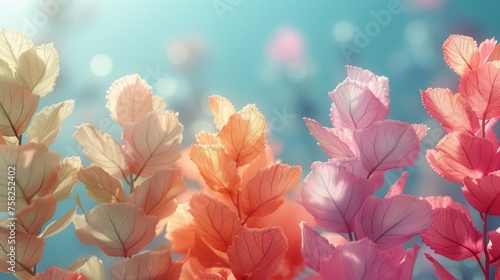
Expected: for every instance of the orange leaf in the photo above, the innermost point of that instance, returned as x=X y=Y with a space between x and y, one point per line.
x=30 y=219
x=148 y=265
x=263 y=160
x=221 y=109
x=101 y=186
x=214 y=222
x=264 y=193
x=56 y=273
x=243 y=136
x=216 y=167
x=180 y=230
x=206 y=138
x=17 y=106
x=495 y=54
x=461 y=53
x=119 y=229
x=130 y=99
x=257 y=253
x=156 y=195
x=35 y=168
x=153 y=143
x=102 y=149
x=28 y=252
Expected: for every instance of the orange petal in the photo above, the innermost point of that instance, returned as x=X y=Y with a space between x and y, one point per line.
x=101 y=186
x=221 y=109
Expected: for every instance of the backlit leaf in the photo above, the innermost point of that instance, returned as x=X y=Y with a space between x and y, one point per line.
x=17 y=106
x=38 y=69
x=314 y=247
x=47 y=123
x=461 y=53
x=101 y=186
x=147 y=265
x=221 y=109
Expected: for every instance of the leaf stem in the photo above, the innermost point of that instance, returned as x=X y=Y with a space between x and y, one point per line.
x=485 y=247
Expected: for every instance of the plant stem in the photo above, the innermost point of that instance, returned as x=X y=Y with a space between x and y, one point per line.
x=485 y=247
x=350 y=236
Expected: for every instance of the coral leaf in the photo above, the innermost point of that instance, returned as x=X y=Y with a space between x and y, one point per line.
x=28 y=251
x=148 y=265
x=47 y=123
x=392 y=221
x=56 y=273
x=495 y=54
x=452 y=234
x=256 y=253
x=38 y=69
x=494 y=250
x=156 y=195
x=130 y=99
x=30 y=219
x=461 y=53
x=17 y=106
x=101 y=186
x=484 y=193
x=153 y=143
x=445 y=201
x=214 y=222
x=119 y=229
x=221 y=109
x=314 y=247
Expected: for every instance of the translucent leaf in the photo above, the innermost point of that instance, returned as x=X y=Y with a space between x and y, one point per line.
x=158 y=103
x=17 y=106
x=332 y=141
x=314 y=247
x=12 y=44
x=28 y=252
x=378 y=85
x=101 y=186
x=38 y=69
x=221 y=109
x=441 y=272
x=56 y=273
x=47 y=123
x=398 y=187
x=461 y=53
x=93 y=268
x=153 y=142
x=147 y=265
x=119 y=229
x=31 y=218
x=59 y=225
x=130 y=99
x=67 y=177
x=484 y=193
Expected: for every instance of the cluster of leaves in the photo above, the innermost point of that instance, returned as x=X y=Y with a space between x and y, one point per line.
x=121 y=225
x=467 y=154
x=339 y=193
x=239 y=227
x=41 y=178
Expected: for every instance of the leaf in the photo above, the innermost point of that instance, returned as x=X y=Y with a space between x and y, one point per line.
x=355 y=106
x=494 y=250
x=180 y=230
x=28 y=251
x=221 y=109
x=214 y=222
x=264 y=160
x=333 y=196
x=398 y=187
x=452 y=235
x=38 y=69
x=243 y=137
x=389 y=222
x=102 y=149
x=206 y=138
x=451 y=110
x=407 y=259
x=156 y=195
x=461 y=53
x=378 y=85
x=153 y=142
x=31 y=218
x=445 y=201
x=484 y=193
x=332 y=141
x=495 y=54
x=481 y=88
x=17 y=106
x=210 y=276
x=216 y=167
x=130 y=99
x=56 y=273
x=12 y=44
x=264 y=193
x=101 y=186
x=35 y=172
x=158 y=103
x=57 y=226
x=257 y=253
x=387 y=145
x=119 y=229
x=314 y=247
x=93 y=268
x=147 y=265
x=459 y=155
x=47 y=123
x=360 y=259
x=441 y=272
x=421 y=131
x=5 y=71
x=67 y=177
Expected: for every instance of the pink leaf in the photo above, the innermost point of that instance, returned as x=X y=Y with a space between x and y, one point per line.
x=156 y=195
x=460 y=155
x=481 y=88
x=119 y=229
x=495 y=54
x=451 y=110
x=147 y=265
x=360 y=259
x=333 y=141
x=485 y=49
x=392 y=221
x=387 y=145
x=31 y=219
x=333 y=196
x=484 y=193
x=461 y=53
x=398 y=187
x=405 y=260
x=314 y=247
x=28 y=251
x=441 y=272
x=452 y=234
x=56 y=273
x=256 y=253
x=130 y=99
x=379 y=85
x=494 y=250
x=355 y=106
x=420 y=130
x=102 y=149
x=153 y=143
x=445 y=201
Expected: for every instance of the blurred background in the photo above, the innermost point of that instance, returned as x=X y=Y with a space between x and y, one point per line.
x=284 y=56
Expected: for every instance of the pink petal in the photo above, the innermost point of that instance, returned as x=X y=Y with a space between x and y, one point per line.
x=333 y=196
x=333 y=141
x=461 y=53
x=392 y=221
x=314 y=247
